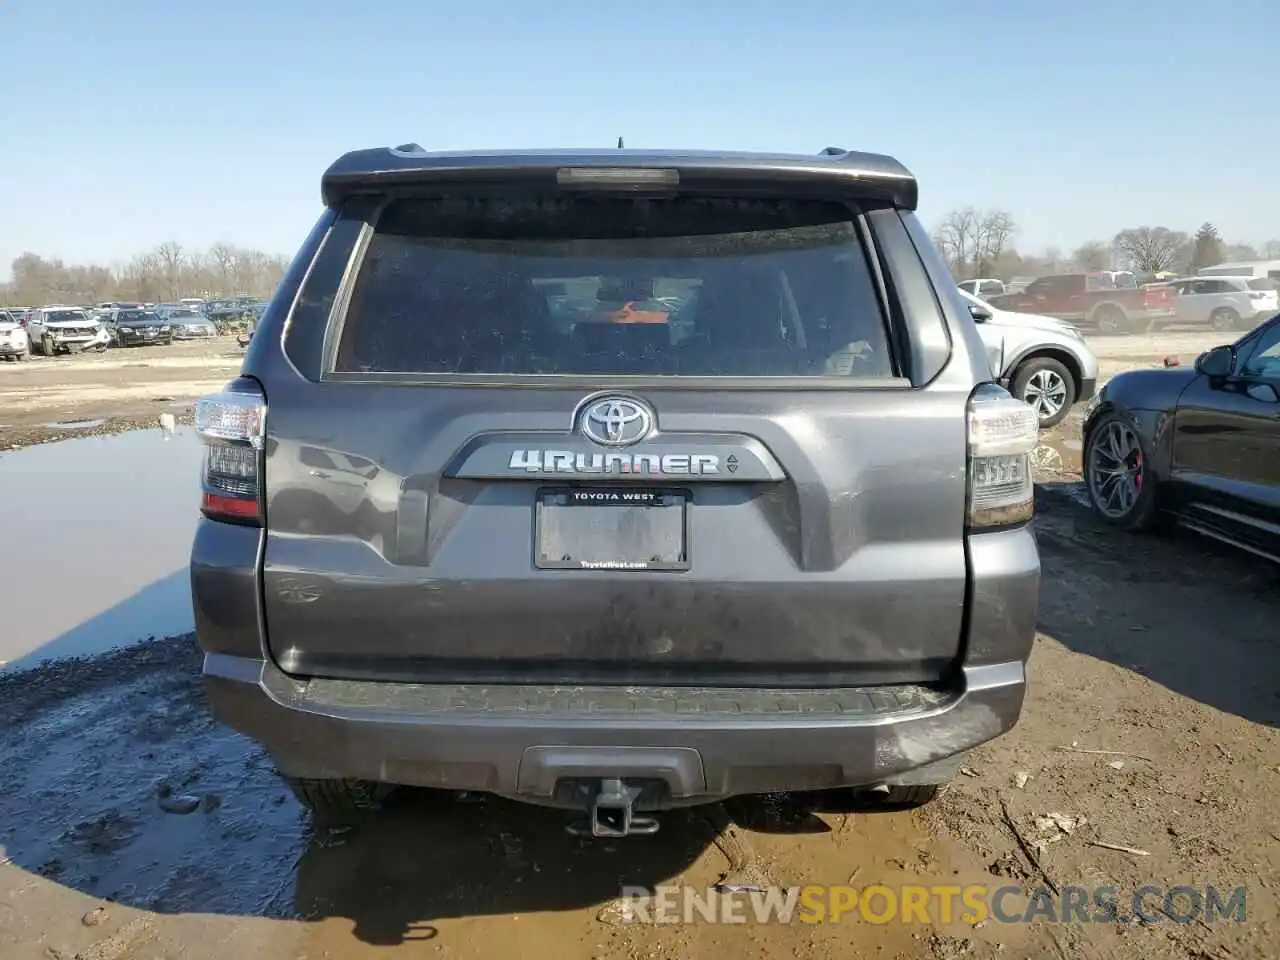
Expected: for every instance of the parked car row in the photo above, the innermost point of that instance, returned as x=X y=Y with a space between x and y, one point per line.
x=1112 y=302
x=56 y=329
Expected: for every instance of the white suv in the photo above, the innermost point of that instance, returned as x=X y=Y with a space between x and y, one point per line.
x=1040 y=360
x=65 y=330
x=13 y=338
x=983 y=287
x=1226 y=303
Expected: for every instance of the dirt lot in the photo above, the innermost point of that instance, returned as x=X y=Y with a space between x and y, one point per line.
x=133 y=828
x=122 y=389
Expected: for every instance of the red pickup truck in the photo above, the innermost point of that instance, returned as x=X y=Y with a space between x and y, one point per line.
x=1097 y=300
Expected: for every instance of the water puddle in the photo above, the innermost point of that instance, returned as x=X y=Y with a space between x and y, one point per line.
x=97 y=532
x=1056 y=455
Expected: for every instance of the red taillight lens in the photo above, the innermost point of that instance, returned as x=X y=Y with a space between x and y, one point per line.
x=219 y=506
x=231 y=425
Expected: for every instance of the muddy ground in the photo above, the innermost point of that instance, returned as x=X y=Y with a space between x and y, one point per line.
x=47 y=399
x=133 y=828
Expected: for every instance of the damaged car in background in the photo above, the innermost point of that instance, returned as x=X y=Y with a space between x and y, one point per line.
x=55 y=330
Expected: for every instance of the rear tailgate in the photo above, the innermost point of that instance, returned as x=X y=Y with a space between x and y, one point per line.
x=1161 y=297
x=491 y=483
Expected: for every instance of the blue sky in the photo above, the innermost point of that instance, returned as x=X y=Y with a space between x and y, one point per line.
x=133 y=122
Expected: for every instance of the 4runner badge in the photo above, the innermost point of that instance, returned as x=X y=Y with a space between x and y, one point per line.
x=622 y=464
x=615 y=421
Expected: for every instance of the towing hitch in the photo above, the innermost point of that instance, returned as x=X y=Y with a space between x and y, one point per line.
x=611 y=813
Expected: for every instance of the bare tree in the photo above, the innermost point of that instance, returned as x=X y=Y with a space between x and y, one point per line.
x=170 y=256
x=1271 y=250
x=164 y=273
x=1092 y=255
x=1235 y=252
x=994 y=231
x=1153 y=249
x=957 y=240
x=223 y=256
x=973 y=242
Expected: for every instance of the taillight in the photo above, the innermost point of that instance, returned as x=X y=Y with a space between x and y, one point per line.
x=1002 y=433
x=1256 y=295
x=231 y=425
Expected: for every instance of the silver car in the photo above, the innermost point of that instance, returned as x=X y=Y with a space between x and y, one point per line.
x=1042 y=361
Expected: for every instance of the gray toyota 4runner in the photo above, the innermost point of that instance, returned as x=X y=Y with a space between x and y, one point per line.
x=616 y=481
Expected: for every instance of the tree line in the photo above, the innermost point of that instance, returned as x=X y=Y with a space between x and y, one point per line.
x=975 y=243
x=980 y=243
x=167 y=273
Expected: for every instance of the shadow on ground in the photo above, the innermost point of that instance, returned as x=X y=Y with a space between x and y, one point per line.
x=1192 y=615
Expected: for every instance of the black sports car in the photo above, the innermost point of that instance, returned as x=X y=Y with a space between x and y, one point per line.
x=1200 y=446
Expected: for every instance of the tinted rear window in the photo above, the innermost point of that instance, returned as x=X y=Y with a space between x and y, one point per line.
x=683 y=287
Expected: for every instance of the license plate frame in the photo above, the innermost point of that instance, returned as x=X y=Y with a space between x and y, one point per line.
x=550 y=531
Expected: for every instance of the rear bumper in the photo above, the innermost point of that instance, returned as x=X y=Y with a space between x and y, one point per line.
x=1088 y=387
x=523 y=741
x=704 y=743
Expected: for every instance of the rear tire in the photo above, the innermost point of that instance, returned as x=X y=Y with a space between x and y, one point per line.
x=1224 y=318
x=901 y=797
x=336 y=803
x=1111 y=319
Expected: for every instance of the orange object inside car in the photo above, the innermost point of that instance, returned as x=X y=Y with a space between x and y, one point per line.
x=628 y=313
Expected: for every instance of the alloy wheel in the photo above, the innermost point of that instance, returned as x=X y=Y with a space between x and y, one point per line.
x=1115 y=469
x=1046 y=392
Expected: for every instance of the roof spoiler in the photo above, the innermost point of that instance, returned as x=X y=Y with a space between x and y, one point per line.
x=833 y=173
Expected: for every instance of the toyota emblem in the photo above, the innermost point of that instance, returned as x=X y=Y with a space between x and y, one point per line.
x=617 y=421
